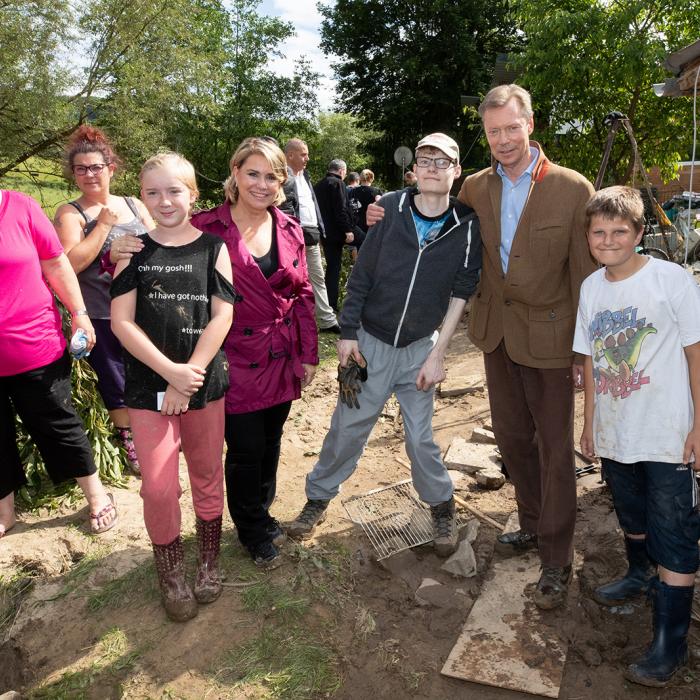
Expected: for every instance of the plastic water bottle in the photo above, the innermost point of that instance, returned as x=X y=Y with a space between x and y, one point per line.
x=78 y=344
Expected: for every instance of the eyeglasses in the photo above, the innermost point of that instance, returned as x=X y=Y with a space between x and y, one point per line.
x=94 y=169
x=440 y=163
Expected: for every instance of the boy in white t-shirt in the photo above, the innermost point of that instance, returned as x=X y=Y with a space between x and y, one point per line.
x=639 y=327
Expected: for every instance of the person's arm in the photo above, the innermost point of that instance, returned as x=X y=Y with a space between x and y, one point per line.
x=186 y=378
x=213 y=335
x=691 y=450
x=587 y=444
x=433 y=370
x=174 y=401
x=61 y=278
x=359 y=283
x=81 y=249
x=341 y=212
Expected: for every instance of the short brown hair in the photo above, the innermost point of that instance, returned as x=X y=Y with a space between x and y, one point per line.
x=617 y=202
x=501 y=94
x=254 y=146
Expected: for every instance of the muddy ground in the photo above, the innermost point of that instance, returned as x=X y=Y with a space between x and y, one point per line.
x=82 y=617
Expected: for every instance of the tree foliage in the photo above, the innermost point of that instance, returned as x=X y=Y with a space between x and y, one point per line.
x=585 y=58
x=185 y=74
x=403 y=66
x=338 y=135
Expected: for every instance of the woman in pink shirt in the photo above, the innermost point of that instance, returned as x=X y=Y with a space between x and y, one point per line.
x=34 y=362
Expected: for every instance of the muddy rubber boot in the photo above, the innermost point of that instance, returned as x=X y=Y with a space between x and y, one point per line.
x=669 y=649
x=445 y=532
x=313 y=513
x=176 y=595
x=640 y=572
x=207 y=584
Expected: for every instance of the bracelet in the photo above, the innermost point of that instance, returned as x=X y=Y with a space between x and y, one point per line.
x=79 y=312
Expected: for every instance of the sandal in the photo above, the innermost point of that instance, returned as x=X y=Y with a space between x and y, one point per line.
x=109 y=509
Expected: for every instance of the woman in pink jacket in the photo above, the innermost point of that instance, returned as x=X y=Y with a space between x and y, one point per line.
x=272 y=348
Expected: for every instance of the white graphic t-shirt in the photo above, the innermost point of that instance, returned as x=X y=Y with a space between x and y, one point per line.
x=635 y=331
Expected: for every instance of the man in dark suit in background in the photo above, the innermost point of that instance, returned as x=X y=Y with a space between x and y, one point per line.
x=332 y=198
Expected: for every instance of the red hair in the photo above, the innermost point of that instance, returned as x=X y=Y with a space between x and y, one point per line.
x=88 y=139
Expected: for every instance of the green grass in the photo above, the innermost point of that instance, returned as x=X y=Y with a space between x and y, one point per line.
x=285 y=664
x=41 y=179
x=78 y=574
x=267 y=598
x=113 y=657
x=13 y=589
x=288 y=658
x=139 y=581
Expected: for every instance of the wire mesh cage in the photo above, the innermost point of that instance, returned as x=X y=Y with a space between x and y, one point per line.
x=393 y=518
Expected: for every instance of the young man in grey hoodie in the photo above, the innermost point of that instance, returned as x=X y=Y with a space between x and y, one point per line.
x=415 y=273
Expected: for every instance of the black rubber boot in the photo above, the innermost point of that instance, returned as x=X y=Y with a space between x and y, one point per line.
x=640 y=572
x=669 y=649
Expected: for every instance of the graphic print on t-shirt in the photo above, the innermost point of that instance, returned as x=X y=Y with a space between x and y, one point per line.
x=617 y=338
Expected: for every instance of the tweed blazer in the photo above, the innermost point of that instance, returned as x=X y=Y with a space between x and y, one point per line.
x=532 y=308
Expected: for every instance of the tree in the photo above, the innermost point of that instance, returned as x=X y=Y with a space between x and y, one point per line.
x=339 y=136
x=190 y=75
x=403 y=66
x=585 y=58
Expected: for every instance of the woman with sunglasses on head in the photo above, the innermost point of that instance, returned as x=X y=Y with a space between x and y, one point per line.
x=87 y=228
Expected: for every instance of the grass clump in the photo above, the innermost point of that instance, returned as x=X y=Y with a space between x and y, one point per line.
x=78 y=574
x=288 y=665
x=13 y=589
x=264 y=596
x=141 y=580
x=113 y=657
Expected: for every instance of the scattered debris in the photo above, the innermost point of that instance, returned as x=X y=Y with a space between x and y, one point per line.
x=432 y=593
x=470 y=457
x=461 y=480
x=491 y=479
x=483 y=435
x=458 y=386
x=463 y=561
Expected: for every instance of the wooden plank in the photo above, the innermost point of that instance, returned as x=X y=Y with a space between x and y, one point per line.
x=505 y=642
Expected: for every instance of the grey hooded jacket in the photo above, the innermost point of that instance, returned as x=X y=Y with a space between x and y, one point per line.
x=398 y=291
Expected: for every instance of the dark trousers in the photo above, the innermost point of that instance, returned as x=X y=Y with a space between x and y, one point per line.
x=42 y=399
x=532 y=412
x=334 y=261
x=253 y=450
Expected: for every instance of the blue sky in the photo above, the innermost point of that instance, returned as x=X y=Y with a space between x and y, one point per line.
x=306 y=20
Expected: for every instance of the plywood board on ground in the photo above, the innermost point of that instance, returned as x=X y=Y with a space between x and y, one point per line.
x=506 y=641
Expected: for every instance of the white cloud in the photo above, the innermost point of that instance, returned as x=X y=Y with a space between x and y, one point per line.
x=306 y=21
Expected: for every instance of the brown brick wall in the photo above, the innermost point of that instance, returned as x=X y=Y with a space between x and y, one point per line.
x=668 y=190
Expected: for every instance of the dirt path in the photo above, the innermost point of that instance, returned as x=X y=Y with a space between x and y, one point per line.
x=82 y=618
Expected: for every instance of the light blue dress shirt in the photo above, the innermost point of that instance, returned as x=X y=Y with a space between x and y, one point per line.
x=513 y=199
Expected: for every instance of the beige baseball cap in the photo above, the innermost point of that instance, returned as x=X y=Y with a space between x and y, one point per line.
x=442 y=142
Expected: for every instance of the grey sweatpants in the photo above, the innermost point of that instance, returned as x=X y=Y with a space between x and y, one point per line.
x=391 y=371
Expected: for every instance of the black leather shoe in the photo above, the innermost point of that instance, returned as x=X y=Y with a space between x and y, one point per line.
x=553 y=586
x=515 y=542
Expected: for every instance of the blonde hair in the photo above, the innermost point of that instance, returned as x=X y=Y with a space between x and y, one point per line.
x=178 y=165
x=272 y=153
x=617 y=202
x=501 y=94
x=367 y=176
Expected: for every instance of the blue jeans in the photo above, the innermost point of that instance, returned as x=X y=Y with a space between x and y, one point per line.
x=659 y=500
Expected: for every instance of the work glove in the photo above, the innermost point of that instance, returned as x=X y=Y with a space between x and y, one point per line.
x=350 y=380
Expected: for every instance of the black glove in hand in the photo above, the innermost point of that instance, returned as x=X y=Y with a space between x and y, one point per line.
x=350 y=380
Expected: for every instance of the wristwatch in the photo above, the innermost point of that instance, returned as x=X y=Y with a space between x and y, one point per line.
x=79 y=312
